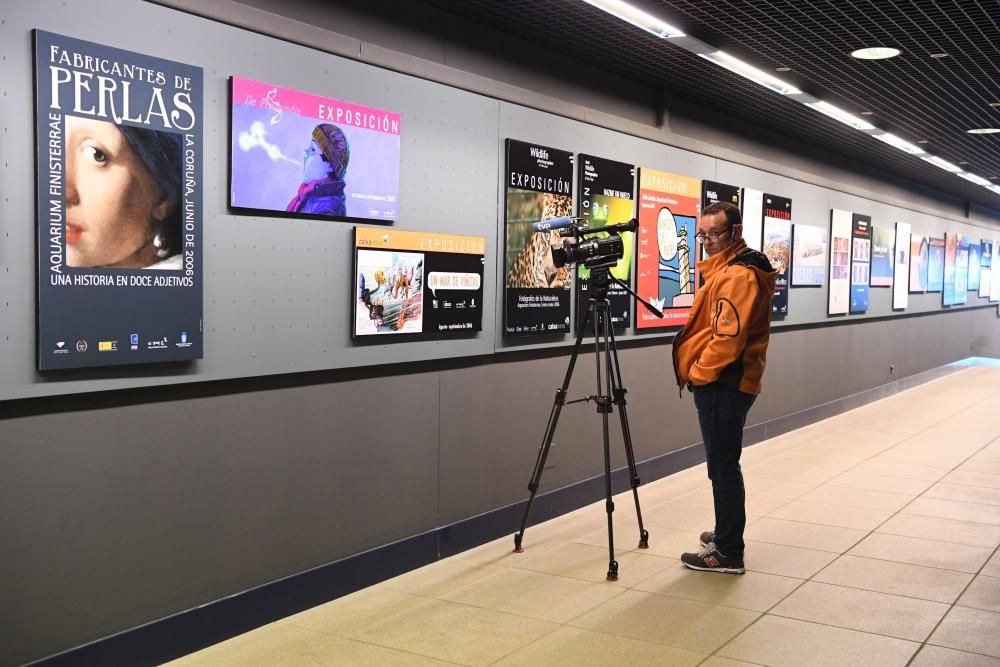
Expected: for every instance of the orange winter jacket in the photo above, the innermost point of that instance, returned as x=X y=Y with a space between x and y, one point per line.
x=726 y=335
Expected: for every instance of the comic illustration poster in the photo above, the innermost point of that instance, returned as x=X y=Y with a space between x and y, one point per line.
x=935 y=264
x=975 y=265
x=919 y=263
x=861 y=254
x=808 y=256
x=778 y=248
x=883 y=241
x=417 y=283
x=119 y=205
x=840 y=262
x=668 y=221
x=304 y=155
x=538 y=186
x=752 y=202
x=950 y=260
x=986 y=273
x=606 y=198
x=901 y=267
x=961 y=270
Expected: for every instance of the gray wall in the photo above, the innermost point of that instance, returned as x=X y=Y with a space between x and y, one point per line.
x=119 y=508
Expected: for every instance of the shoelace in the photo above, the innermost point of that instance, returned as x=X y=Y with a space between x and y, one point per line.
x=709 y=549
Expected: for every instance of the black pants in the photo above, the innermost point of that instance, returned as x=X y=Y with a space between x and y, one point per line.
x=722 y=414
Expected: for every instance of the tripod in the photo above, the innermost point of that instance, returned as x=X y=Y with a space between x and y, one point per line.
x=610 y=376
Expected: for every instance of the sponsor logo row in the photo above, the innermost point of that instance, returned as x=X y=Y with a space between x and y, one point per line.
x=82 y=345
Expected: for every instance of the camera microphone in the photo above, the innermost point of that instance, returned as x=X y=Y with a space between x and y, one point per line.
x=555 y=223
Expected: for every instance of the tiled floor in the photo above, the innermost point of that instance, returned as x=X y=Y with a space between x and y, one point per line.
x=872 y=540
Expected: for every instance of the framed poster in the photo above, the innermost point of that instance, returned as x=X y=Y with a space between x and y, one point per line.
x=666 y=271
x=994 y=282
x=950 y=261
x=119 y=203
x=840 y=262
x=861 y=253
x=919 y=261
x=808 y=256
x=883 y=240
x=304 y=155
x=607 y=197
x=539 y=186
x=712 y=192
x=986 y=274
x=778 y=248
x=753 y=218
x=901 y=266
x=935 y=264
x=416 y=283
x=961 y=270
x=975 y=264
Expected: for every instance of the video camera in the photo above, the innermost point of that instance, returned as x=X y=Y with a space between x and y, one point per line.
x=593 y=253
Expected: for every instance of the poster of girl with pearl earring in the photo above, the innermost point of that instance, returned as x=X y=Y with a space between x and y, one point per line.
x=119 y=169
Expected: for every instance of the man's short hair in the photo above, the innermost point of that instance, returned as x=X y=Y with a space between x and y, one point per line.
x=731 y=211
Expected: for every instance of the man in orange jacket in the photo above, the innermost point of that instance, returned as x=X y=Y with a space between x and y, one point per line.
x=719 y=355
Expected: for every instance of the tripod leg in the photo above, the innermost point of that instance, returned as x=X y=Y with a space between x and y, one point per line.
x=619 y=391
x=601 y=324
x=550 y=430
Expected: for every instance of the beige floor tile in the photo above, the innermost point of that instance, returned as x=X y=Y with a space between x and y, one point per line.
x=896 y=469
x=756 y=503
x=973 y=478
x=972 y=630
x=924 y=457
x=953 y=509
x=876 y=500
x=831 y=515
x=964 y=493
x=575 y=647
x=981 y=465
x=680 y=516
x=785 y=642
x=590 y=563
x=345 y=616
x=863 y=482
x=663 y=542
x=455 y=632
x=777 y=488
x=545 y=596
x=992 y=567
x=806 y=535
x=719 y=661
x=883 y=576
x=754 y=591
x=916 y=551
x=866 y=611
x=656 y=618
x=439 y=578
x=983 y=593
x=990 y=452
x=948 y=440
x=932 y=528
x=936 y=656
x=784 y=560
x=798 y=467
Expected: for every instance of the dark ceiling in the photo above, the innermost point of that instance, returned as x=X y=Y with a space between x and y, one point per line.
x=915 y=96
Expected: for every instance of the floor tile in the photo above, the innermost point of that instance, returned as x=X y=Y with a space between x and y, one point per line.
x=680 y=516
x=983 y=593
x=992 y=567
x=916 y=551
x=831 y=515
x=575 y=647
x=590 y=563
x=974 y=464
x=754 y=591
x=347 y=615
x=439 y=578
x=953 y=509
x=806 y=535
x=901 y=485
x=778 y=488
x=973 y=478
x=936 y=656
x=972 y=630
x=876 y=500
x=786 y=642
x=784 y=560
x=756 y=502
x=656 y=618
x=964 y=493
x=931 y=528
x=866 y=611
x=719 y=661
x=884 y=576
x=895 y=469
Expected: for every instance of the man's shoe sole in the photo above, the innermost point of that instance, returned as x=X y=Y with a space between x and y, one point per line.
x=723 y=570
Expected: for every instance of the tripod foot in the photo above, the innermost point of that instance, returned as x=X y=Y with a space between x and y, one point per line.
x=517 y=543
x=644 y=539
x=613 y=571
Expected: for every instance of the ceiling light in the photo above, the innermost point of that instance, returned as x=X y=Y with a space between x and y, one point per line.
x=782 y=69
x=963 y=162
x=875 y=53
x=737 y=66
x=901 y=144
x=867 y=113
x=939 y=56
x=994 y=188
x=636 y=17
x=922 y=141
x=943 y=164
x=841 y=115
x=984 y=130
x=978 y=180
x=995 y=104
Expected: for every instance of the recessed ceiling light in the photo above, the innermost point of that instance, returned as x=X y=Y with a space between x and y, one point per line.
x=637 y=17
x=963 y=162
x=782 y=69
x=984 y=130
x=995 y=104
x=978 y=180
x=841 y=115
x=939 y=56
x=922 y=141
x=748 y=71
x=867 y=113
x=875 y=53
x=901 y=144
x=943 y=164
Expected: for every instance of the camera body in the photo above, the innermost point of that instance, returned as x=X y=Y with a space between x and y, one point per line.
x=593 y=253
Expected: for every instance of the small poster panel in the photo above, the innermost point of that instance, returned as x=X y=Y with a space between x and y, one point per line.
x=861 y=254
x=712 y=192
x=994 y=282
x=309 y=156
x=538 y=186
x=935 y=264
x=119 y=205
x=950 y=261
x=840 y=262
x=975 y=265
x=883 y=240
x=778 y=248
x=901 y=266
x=417 y=283
x=607 y=197
x=919 y=261
x=668 y=220
x=808 y=256
x=962 y=270
x=986 y=275
x=753 y=218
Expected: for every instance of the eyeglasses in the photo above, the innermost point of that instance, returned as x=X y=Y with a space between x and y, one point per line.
x=712 y=236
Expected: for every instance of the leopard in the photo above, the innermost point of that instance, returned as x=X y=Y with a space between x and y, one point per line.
x=533 y=266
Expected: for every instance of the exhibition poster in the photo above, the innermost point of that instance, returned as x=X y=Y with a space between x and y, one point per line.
x=883 y=239
x=919 y=260
x=778 y=248
x=840 y=262
x=950 y=260
x=607 y=197
x=119 y=205
x=975 y=264
x=986 y=274
x=304 y=155
x=808 y=256
x=861 y=253
x=668 y=220
x=712 y=192
x=901 y=266
x=753 y=218
x=961 y=270
x=538 y=186
x=417 y=282
x=994 y=284
x=935 y=264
